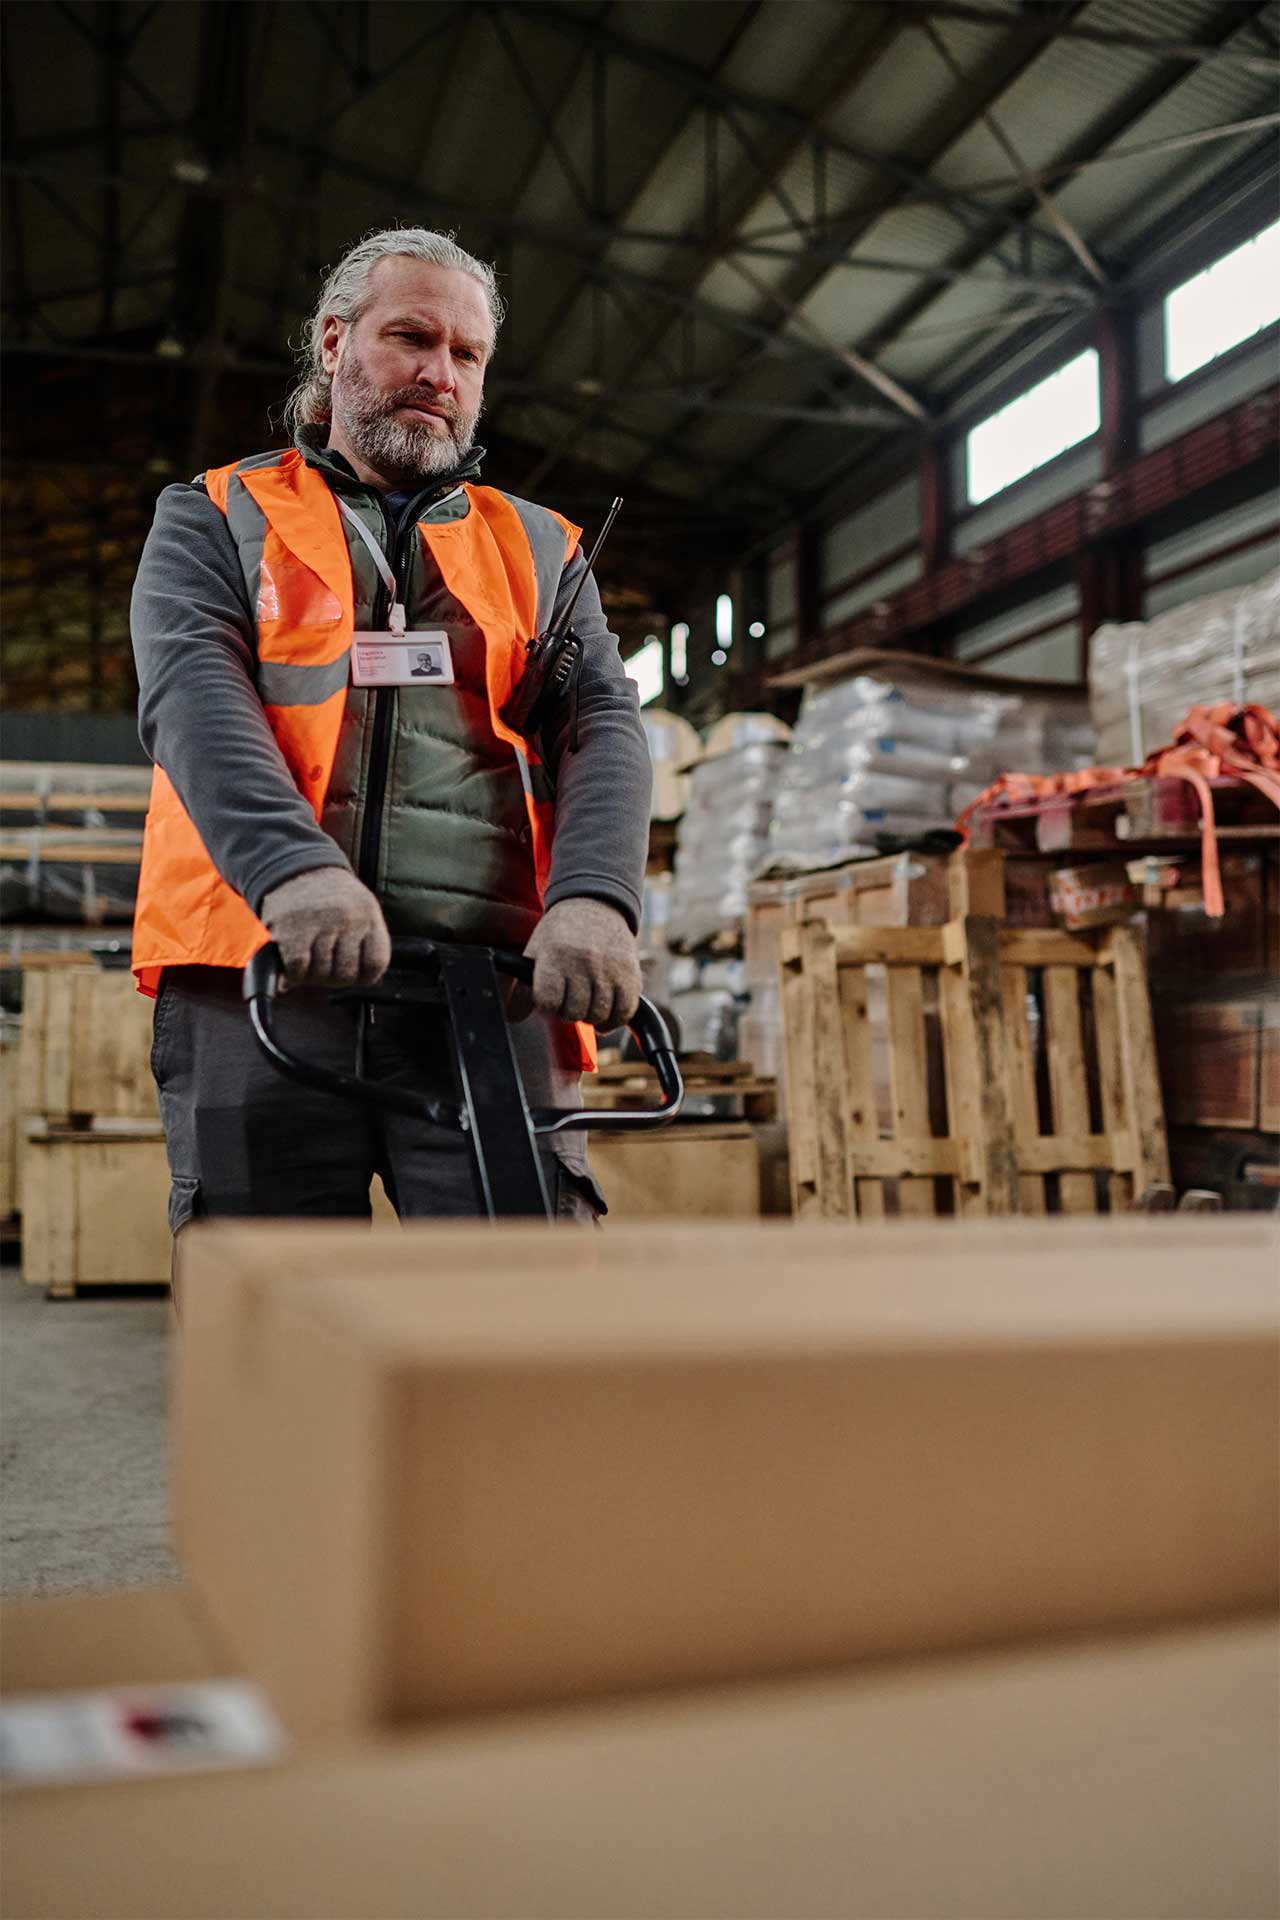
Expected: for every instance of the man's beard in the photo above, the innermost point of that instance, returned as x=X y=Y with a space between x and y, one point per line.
x=398 y=449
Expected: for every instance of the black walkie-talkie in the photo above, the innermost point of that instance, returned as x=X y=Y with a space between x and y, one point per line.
x=553 y=663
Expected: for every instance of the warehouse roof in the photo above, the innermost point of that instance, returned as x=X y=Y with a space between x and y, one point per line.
x=747 y=245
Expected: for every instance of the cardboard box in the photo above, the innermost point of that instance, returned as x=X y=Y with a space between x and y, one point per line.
x=1220 y=1061
x=1091 y=1781
x=69 y=1642
x=456 y=1468
x=704 y=1170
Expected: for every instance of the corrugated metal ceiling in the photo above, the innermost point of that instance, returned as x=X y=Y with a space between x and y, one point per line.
x=179 y=175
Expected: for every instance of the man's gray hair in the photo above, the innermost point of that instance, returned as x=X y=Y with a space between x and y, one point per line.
x=346 y=293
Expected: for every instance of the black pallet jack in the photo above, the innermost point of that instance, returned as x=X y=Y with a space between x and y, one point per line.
x=493 y=1112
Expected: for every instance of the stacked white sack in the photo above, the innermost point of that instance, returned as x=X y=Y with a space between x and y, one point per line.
x=870 y=756
x=720 y=840
x=1145 y=674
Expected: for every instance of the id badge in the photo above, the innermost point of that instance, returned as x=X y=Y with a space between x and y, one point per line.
x=401 y=660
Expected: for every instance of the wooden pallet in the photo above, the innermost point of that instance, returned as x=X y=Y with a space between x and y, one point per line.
x=1076 y=1128
x=624 y=1083
x=1124 y=817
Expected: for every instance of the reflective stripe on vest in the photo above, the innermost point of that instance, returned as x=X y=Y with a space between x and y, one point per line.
x=186 y=913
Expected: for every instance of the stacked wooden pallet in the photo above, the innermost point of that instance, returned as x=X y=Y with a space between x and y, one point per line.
x=980 y=1121
x=93 y=1173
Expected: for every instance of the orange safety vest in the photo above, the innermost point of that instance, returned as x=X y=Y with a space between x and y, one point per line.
x=187 y=914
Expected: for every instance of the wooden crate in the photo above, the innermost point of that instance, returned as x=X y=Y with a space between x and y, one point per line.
x=996 y=1135
x=900 y=890
x=94 y=1207
x=9 y=1135
x=705 y=1169
x=86 y=1045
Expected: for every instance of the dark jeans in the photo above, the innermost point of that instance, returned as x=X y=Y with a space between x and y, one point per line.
x=244 y=1140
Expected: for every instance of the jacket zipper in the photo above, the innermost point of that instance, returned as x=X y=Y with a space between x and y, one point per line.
x=383 y=719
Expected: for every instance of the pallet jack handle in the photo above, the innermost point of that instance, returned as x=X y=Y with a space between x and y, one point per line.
x=456 y=977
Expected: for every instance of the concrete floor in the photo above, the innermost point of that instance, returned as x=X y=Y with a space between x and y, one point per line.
x=84 y=1440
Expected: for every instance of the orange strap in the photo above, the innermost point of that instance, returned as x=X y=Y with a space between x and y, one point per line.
x=1241 y=743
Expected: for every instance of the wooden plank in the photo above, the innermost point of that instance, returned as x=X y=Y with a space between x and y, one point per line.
x=889 y=946
x=799 y=1081
x=62 y=854
x=57 y=802
x=1052 y=1152
x=834 y=1100
x=1021 y=1066
x=35 y=1003
x=135 y=1088
x=1143 y=1104
x=1115 y=1118
x=41 y=1221
x=1046 y=1153
x=93 y=1048
x=8 y=1123
x=58 y=1043
x=863 y=1123
x=909 y=1079
x=907 y=1161
x=975 y=883
x=1046 y=947
x=977 y=1075
x=114 y=1126
x=1068 y=1087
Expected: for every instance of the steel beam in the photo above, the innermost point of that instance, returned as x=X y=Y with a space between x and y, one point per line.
x=857 y=221
x=241 y=36
x=745 y=192
x=1035 y=25
x=605 y=231
x=721 y=94
x=1048 y=206
x=1138 y=103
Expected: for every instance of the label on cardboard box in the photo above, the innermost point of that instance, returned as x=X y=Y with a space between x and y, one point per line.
x=1098 y=896
x=122 y=1733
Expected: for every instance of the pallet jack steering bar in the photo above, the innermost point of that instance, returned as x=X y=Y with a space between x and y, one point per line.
x=494 y=1114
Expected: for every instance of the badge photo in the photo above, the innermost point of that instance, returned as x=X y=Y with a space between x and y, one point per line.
x=401 y=660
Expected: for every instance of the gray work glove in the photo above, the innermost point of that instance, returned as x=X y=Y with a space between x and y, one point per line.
x=329 y=929
x=585 y=964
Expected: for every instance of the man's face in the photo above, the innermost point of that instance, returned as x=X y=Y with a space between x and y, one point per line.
x=408 y=375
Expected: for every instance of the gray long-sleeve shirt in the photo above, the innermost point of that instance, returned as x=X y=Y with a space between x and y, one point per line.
x=201 y=719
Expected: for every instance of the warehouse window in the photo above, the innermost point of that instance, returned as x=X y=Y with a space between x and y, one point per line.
x=1040 y=423
x=646 y=669
x=1235 y=297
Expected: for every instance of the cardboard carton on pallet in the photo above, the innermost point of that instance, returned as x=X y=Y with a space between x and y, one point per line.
x=445 y=1470
x=1094 y=1779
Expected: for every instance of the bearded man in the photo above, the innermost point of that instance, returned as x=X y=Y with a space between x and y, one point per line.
x=317 y=784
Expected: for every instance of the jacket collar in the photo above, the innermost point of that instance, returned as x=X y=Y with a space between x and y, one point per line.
x=338 y=471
